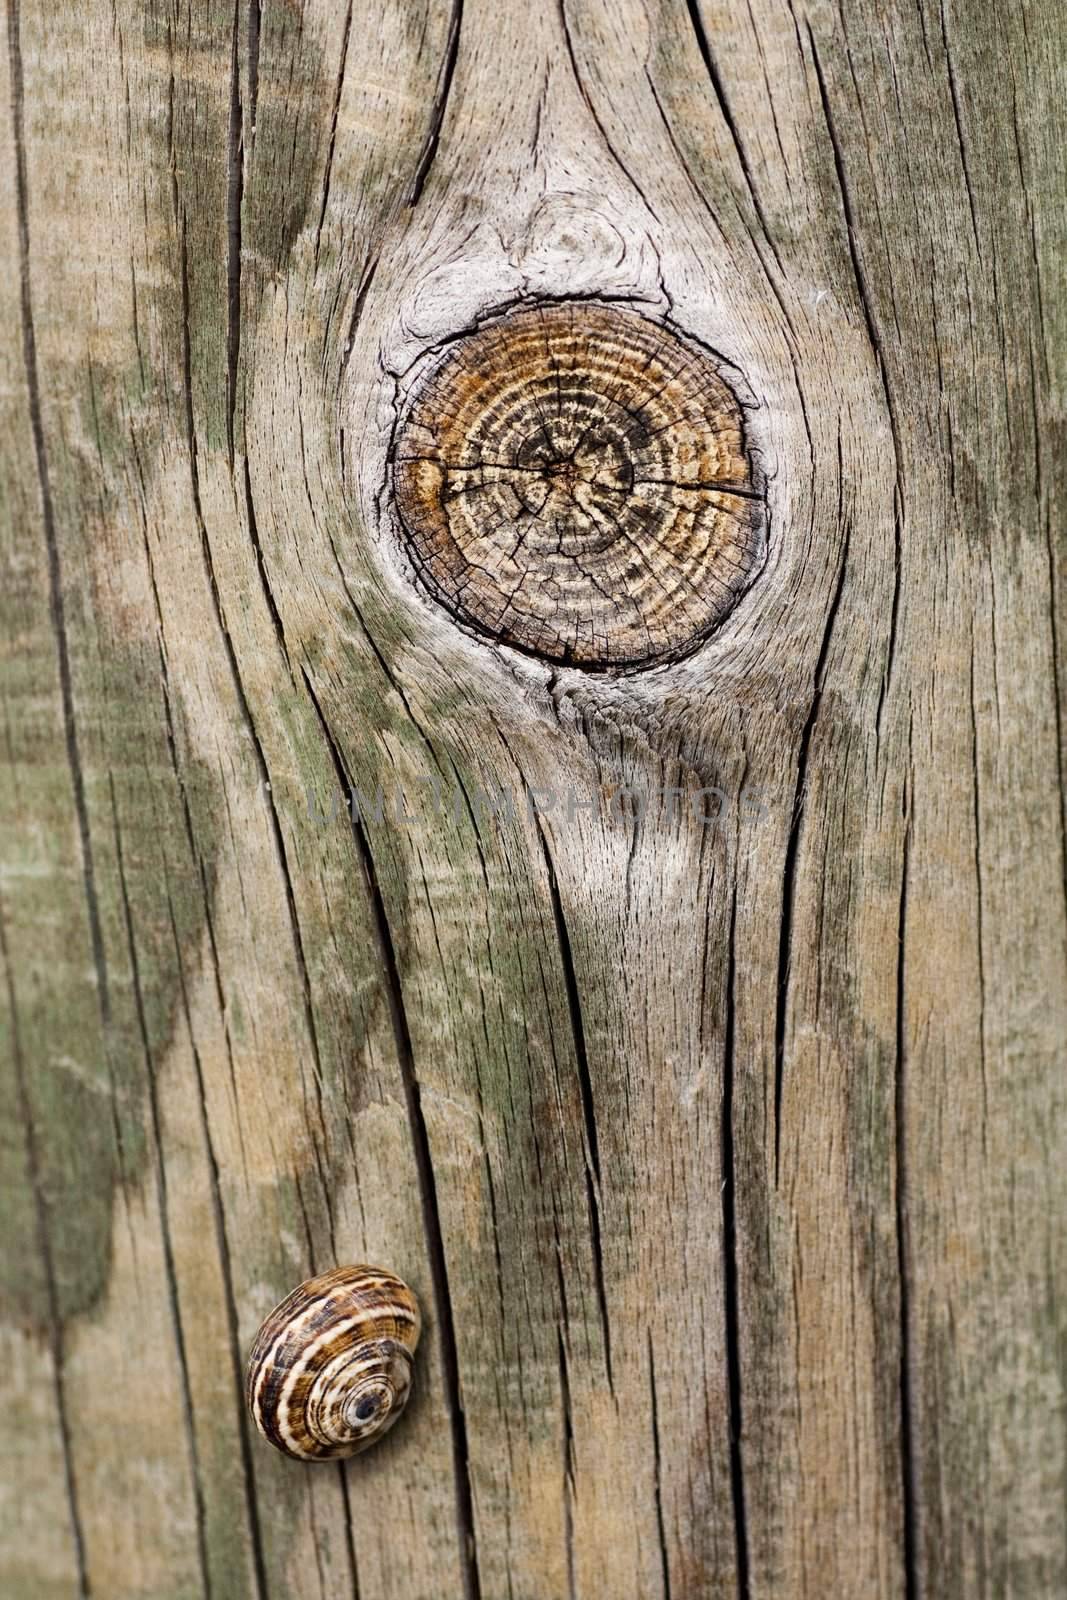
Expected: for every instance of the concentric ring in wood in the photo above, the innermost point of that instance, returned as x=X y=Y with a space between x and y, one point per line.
x=573 y=480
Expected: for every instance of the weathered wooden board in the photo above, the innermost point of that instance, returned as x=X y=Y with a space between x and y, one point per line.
x=727 y=1157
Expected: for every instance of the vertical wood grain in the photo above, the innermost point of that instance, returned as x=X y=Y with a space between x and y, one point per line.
x=726 y=1160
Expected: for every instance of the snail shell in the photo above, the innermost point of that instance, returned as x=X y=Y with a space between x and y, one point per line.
x=331 y=1367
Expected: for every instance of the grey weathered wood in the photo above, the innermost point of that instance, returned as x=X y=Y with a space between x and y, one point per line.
x=728 y=1163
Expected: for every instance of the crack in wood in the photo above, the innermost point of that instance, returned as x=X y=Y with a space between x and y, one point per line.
x=734 y=1363
x=234 y=202
x=581 y=1061
x=789 y=870
x=440 y=101
x=908 y=1458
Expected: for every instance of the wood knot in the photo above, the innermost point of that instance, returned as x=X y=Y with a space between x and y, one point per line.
x=573 y=480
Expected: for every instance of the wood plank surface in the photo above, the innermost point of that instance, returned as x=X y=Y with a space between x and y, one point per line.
x=692 y=1039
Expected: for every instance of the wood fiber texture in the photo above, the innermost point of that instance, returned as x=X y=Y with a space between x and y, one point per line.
x=690 y=1037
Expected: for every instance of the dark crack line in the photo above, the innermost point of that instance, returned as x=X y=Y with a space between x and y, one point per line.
x=350 y=1542
x=1057 y=695
x=739 y=491
x=338 y=87
x=908 y=1458
x=581 y=1057
x=234 y=202
x=735 y=489
x=954 y=95
x=790 y=867
x=357 y=310
x=657 y=1471
x=730 y=1275
x=568 y=1436
x=979 y=896
x=440 y=101
x=255 y=20
x=875 y=338
x=420 y=1141
x=268 y=592
x=719 y=91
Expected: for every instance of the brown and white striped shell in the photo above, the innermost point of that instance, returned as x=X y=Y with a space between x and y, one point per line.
x=331 y=1367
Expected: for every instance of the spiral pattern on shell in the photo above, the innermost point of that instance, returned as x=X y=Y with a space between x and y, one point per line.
x=574 y=480
x=330 y=1370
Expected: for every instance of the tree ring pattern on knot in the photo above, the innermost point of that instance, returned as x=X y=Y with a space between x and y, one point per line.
x=574 y=480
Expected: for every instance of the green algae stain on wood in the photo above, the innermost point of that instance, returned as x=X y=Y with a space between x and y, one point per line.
x=89 y=1034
